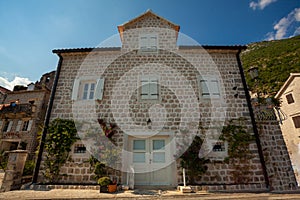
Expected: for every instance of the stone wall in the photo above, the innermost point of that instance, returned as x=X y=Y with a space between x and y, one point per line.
x=278 y=164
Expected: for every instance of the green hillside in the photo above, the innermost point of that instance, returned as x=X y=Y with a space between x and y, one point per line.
x=275 y=61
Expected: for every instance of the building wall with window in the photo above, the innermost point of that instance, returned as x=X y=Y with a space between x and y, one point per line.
x=88 y=89
x=289 y=97
x=22 y=115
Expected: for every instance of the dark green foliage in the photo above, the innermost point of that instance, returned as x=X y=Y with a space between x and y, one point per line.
x=275 y=61
x=238 y=140
x=99 y=169
x=190 y=160
x=61 y=135
x=3 y=160
x=28 y=168
x=239 y=154
x=104 y=181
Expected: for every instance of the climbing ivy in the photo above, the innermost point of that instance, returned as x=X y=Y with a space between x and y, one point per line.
x=190 y=160
x=239 y=154
x=61 y=135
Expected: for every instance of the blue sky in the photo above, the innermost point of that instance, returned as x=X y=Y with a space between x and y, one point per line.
x=31 y=29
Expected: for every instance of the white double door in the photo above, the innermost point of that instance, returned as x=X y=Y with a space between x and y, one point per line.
x=151 y=159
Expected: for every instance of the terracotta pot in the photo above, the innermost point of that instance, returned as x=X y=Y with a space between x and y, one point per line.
x=112 y=188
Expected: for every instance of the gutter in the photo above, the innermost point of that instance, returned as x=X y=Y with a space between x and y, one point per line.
x=46 y=122
x=256 y=134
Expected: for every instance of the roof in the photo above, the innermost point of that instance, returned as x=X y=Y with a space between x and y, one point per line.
x=207 y=47
x=122 y=28
x=4 y=90
x=286 y=84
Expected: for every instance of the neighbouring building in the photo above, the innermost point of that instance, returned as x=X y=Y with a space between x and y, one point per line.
x=289 y=97
x=22 y=115
x=150 y=97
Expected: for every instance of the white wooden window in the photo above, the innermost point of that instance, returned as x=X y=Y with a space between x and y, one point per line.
x=88 y=89
x=27 y=125
x=19 y=125
x=7 y=126
x=148 y=42
x=149 y=88
x=209 y=87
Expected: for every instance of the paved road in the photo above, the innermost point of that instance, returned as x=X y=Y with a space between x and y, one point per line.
x=168 y=195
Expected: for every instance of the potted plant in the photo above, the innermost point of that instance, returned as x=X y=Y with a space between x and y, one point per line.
x=104 y=182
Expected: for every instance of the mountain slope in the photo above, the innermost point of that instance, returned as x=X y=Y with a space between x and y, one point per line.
x=275 y=61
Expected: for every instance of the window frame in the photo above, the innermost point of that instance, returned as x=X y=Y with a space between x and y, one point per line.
x=289 y=98
x=78 y=88
x=211 y=88
x=76 y=149
x=146 y=45
x=147 y=95
x=296 y=121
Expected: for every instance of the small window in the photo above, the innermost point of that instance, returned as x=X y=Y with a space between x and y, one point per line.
x=296 y=121
x=148 y=42
x=290 y=98
x=79 y=148
x=209 y=87
x=149 y=88
x=88 y=89
x=27 y=125
x=7 y=126
x=219 y=146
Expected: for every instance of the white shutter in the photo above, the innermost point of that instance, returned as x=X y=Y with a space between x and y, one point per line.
x=19 y=125
x=75 y=89
x=214 y=88
x=153 y=88
x=143 y=42
x=204 y=88
x=29 y=125
x=9 y=126
x=209 y=86
x=152 y=42
x=99 y=89
x=145 y=93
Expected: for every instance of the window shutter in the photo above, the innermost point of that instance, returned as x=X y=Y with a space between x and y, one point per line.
x=75 y=89
x=9 y=126
x=145 y=88
x=29 y=125
x=214 y=87
x=204 y=87
x=19 y=125
x=153 y=88
x=99 y=89
x=153 y=43
x=143 y=43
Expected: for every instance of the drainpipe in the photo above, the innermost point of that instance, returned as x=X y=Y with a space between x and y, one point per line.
x=46 y=122
x=256 y=134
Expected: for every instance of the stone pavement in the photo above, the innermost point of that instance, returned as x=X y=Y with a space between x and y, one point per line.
x=138 y=194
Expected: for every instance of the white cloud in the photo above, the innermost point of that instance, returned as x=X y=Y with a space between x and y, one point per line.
x=4 y=82
x=261 y=4
x=282 y=27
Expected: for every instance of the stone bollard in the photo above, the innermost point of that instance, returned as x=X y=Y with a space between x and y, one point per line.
x=14 y=170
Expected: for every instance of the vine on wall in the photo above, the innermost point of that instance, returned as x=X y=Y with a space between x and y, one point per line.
x=239 y=154
x=61 y=136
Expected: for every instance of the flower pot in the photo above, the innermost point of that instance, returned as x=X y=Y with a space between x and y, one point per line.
x=112 y=188
x=104 y=189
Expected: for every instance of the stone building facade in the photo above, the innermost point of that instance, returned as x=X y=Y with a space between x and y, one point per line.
x=22 y=115
x=149 y=99
x=289 y=97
